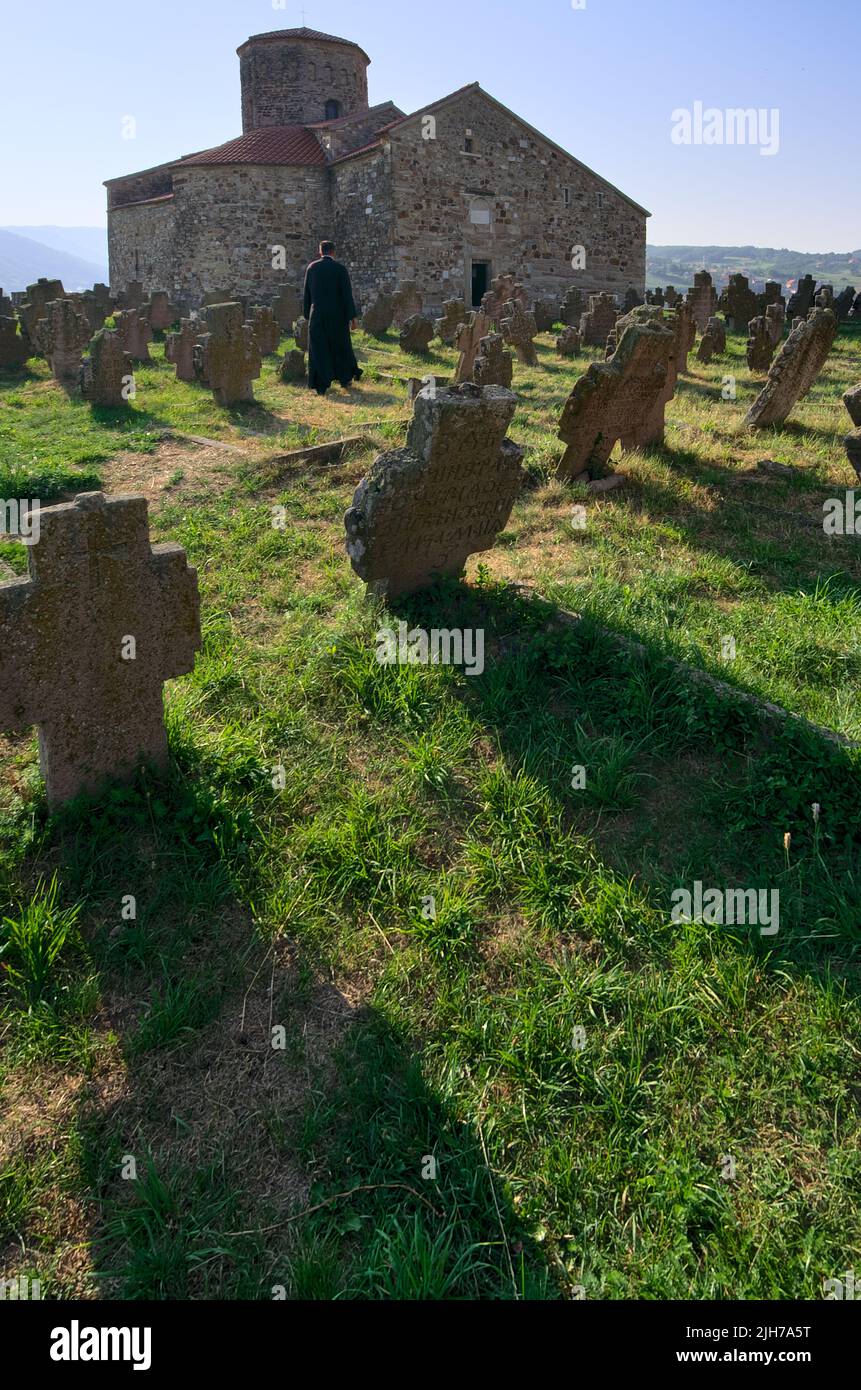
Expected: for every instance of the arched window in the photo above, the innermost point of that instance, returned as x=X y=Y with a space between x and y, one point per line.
x=333 y=110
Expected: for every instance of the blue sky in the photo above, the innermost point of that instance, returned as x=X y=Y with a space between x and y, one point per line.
x=603 y=81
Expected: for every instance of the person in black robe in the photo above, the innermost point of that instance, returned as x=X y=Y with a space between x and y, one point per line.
x=330 y=309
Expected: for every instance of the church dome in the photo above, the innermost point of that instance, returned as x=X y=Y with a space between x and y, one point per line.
x=300 y=77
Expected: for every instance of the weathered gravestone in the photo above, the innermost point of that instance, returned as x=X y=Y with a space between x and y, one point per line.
x=568 y=342
x=842 y=302
x=293 y=366
x=61 y=337
x=598 y=320
x=135 y=333
x=422 y=510
x=738 y=303
x=671 y=296
x=266 y=330
x=287 y=308
x=377 y=318
x=682 y=324
x=773 y=295
x=453 y=315
x=106 y=376
x=503 y=289
x=493 y=366
x=852 y=442
x=97 y=304
x=573 y=307
x=179 y=347
x=14 y=350
x=801 y=301
x=713 y=340
x=7 y=308
x=794 y=369
x=518 y=328
x=227 y=356
x=760 y=348
x=132 y=297
x=852 y=402
x=406 y=301
x=623 y=399
x=468 y=341
x=159 y=312
x=34 y=308
x=219 y=297
x=775 y=317
x=632 y=300
x=87 y=642
x=702 y=298
x=415 y=335
x=824 y=297
x=655 y=297
x=300 y=333
x=544 y=313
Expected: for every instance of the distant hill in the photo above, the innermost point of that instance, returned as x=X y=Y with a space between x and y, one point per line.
x=23 y=260
x=90 y=243
x=675 y=265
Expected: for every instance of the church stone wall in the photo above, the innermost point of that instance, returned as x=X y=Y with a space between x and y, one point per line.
x=519 y=181
x=289 y=83
x=363 y=202
x=141 y=246
x=228 y=218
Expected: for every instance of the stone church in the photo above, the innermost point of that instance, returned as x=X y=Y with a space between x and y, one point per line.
x=446 y=197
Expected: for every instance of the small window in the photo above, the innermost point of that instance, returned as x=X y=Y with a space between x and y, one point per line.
x=566 y=197
x=600 y=201
x=333 y=110
x=467 y=144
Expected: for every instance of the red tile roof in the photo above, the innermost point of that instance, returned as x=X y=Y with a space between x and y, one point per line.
x=279 y=35
x=277 y=144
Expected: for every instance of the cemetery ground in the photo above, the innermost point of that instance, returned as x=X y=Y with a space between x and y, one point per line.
x=617 y=1105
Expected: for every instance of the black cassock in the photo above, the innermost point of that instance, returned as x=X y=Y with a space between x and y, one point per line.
x=329 y=308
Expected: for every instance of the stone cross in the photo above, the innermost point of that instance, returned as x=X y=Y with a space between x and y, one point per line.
x=422 y=510
x=266 y=329
x=775 y=317
x=794 y=369
x=493 y=365
x=14 y=350
x=801 y=300
x=135 y=333
x=598 y=320
x=179 y=348
x=415 y=335
x=107 y=374
x=87 y=642
x=227 y=355
x=703 y=299
x=97 y=305
x=760 y=348
x=573 y=307
x=467 y=342
x=406 y=301
x=61 y=336
x=453 y=315
x=738 y=303
x=286 y=306
x=159 y=312
x=132 y=297
x=568 y=342
x=518 y=328
x=503 y=289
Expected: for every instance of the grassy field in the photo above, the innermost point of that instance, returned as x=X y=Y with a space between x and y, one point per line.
x=543 y=1087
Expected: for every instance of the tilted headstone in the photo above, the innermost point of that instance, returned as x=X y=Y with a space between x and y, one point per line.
x=293 y=366
x=573 y=307
x=14 y=350
x=800 y=302
x=287 y=308
x=622 y=399
x=415 y=335
x=227 y=355
x=738 y=303
x=453 y=315
x=422 y=510
x=493 y=366
x=775 y=317
x=266 y=330
x=544 y=312
x=713 y=340
x=468 y=341
x=503 y=289
x=760 y=348
x=378 y=317
x=61 y=337
x=107 y=373
x=179 y=347
x=518 y=328
x=406 y=301
x=702 y=297
x=159 y=311
x=568 y=342
x=842 y=303
x=300 y=333
x=598 y=320
x=87 y=642
x=135 y=333
x=794 y=369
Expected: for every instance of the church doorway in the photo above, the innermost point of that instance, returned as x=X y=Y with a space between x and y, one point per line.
x=480 y=281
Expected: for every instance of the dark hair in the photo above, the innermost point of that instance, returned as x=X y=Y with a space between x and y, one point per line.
x=326 y=248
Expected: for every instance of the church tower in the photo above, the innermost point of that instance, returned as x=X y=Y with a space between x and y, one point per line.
x=299 y=77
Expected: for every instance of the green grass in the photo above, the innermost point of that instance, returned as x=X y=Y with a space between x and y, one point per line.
x=470 y=953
